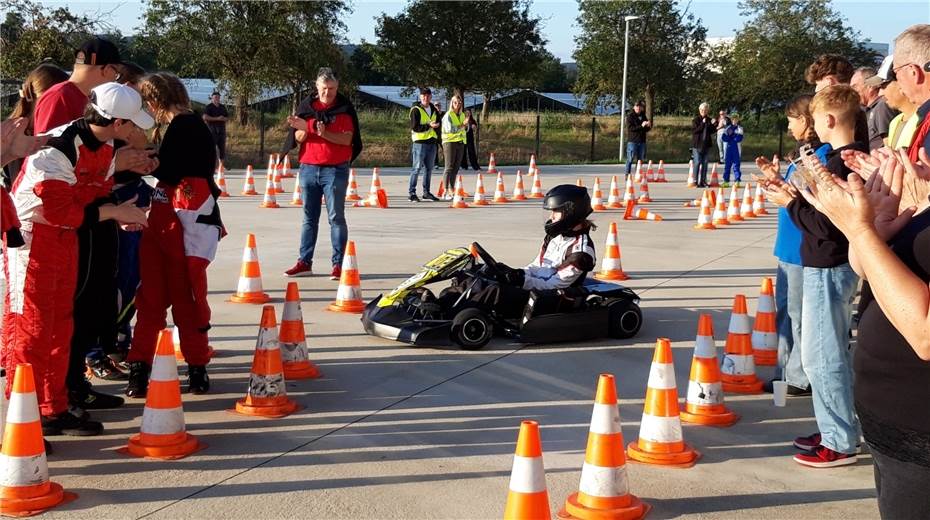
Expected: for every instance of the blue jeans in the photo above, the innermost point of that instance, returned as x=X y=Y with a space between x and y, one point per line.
x=634 y=152
x=789 y=291
x=700 y=166
x=826 y=315
x=424 y=158
x=315 y=182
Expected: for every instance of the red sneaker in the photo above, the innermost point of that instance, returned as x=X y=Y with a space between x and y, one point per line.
x=337 y=272
x=823 y=457
x=300 y=269
x=807 y=443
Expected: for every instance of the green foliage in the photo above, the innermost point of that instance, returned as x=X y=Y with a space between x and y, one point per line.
x=362 y=68
x=553 y=77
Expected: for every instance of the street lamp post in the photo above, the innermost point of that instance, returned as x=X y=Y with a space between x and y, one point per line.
x=626 y=47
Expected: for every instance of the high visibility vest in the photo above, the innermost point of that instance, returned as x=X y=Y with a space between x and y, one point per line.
x=425 y=119
x=457 y=135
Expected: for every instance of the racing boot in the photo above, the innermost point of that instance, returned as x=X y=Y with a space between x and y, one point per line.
x=198 y=382
x=86 y=398
x=138 y=384
x=104 y=367
x=72 y=422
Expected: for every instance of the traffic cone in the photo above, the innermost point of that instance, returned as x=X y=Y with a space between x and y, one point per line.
x=518 y=193
x=267 y=392
x=704 y=217
x=537 y=191
x=758 y=205
x=644 y=190
x=661 y=173
x=533 y=169
x=292 y=339
x=597 y=202
x=714 y=179
x=643 y=214
x=218 y=174
x=349 y=294
x=764 y=333
x=269 y=200
x=374 y=200
x=527 y=497
x=163 y=434
x=458 y=201
x=579 y=183
x=250 y=277
x=480 y=196
x=297 y=199
x=276 y=180
x=704 y=403
x=25 y=488
x=221 y=184
x=176 y=344
x=500 y=193
x=604 y=490
x=613 y=199
x=733 y=207
x=629 y=195
x=352 y=193
x=249 y=187
x=692 y=183
x=375 y=183
x=720 y=212
x=269 y=174
x=660 y=438
x=693 y=203
x=745 y=210
x=442 y=188
x=492 y=164
x=650 y=173
x=611 y=268
x=738 y=368
x=287 y=173
x=713 y=198
x=639 y=171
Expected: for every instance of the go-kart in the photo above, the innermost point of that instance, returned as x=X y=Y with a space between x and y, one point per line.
x=412 y=313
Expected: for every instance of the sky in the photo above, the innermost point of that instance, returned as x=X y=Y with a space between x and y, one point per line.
x=559 y=27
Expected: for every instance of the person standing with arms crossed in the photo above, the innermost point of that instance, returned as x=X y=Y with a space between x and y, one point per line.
x=637 y=124
x=424 y=128
x=216 y=115
x=454 y=126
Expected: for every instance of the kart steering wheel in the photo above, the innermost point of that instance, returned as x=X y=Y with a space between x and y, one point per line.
x=489 y=260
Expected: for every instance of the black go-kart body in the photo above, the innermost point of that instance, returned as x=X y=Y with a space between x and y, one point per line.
x=412 y=314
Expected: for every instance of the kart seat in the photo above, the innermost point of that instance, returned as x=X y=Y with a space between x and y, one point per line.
x=569 y=299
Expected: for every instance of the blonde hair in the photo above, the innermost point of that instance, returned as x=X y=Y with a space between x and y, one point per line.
x=461 y=102
x=913 y=45
x=840 y=100
x=37 y=82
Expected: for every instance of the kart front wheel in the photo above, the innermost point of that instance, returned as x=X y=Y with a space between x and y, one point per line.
x=625 y=320
x=471 y=329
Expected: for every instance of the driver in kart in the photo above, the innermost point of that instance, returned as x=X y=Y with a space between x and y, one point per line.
x=565 y=258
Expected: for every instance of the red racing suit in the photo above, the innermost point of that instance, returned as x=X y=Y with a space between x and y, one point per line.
x=60 y=188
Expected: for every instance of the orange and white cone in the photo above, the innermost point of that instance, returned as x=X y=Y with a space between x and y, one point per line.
x=644 y=190
x=661 y=173
x=221 y=183
x=738 y=368
x=533 y=169
x=518 y=192
x=613 y=199
x=660 y=437
x=287 y=173
x=249 y=187
x=745 y=210
x=492 y=164
x=352 y=193
x=269 y=200
x=176 y=344
x=720 y=212
x=292 y=339
x=692 y=182
x=764 y=333
x=527 y=497
x=650 y=173
x=705 y=221
x=163 y=434
x=537 y=191
x=579 y=182
x=604 y=490
x=25 y=488
x=442 y=188
x=639 y=171
x=597 y=201
x=629 y=195
x=218 y=173
x=269 y=174
x=704 y=403
x=643 y=214
x=733 y=206
x=758 y=205
x=611 y=268
x=458 y=201
x=267 y=392
x=375 y=183
x=349 y=294
x=500 y=192
x=480 y=196
x=249 y=289
x=714 y=178
x=276 y=180
x=297 y=198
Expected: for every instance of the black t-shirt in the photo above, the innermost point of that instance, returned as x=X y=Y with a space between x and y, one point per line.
x=186 y=150
x=216 y=111
x=635 y=128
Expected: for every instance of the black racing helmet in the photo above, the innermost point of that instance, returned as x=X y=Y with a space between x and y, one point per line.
x=574 y=203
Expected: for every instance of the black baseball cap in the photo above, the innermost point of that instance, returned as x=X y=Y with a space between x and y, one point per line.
x=426 y=90
x=97 y=52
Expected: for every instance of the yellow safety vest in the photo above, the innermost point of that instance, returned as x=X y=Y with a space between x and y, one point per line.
x=425 y=119
x=457 y=135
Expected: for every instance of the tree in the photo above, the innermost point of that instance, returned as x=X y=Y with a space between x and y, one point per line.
x=661 y=42
x=500 y=48
x=362 y=67
x=553 y=77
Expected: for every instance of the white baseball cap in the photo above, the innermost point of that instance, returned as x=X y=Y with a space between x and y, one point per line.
x=884 y=75
x=115 y=101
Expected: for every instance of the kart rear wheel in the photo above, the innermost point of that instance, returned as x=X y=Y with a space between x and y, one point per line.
x=471 y=329
x=625 y=320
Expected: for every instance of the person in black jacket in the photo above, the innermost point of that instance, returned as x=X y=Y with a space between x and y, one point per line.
x=637 y=124
x=702 y=140
x=471 y=144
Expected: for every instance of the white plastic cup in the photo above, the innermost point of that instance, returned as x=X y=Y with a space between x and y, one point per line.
x=780 y=392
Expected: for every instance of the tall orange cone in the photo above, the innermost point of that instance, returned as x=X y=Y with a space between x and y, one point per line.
x=249 y=187
x=518 y=192
x=733 y=206
x=758 y=205
x=163 y=434
x=613 y=198
x=642 y=214
x=738 y=367
x=714 y=178
x=25 y=488
x=352 y=193
x=650 y=173
x=639 y=171
x=276 y=179
x=375 y=183
x=267 y=393
x=661 y=174
x=611 y=268
x=458 y=201
x=604 y=490
x=597 y=201
x=764 y=333
x=287 y=173
x=720 y=212
x=269 y=174
x=500 y=192
x=250 y=277
x=442 y=188
x=533 y=169
x=644 y=190
x=704 y=403
x=269 y=200
x=349 y=294
x=629 y=195
x=704 y=217
x=537 y=191
x=745 y=210
x=692 y=182
x=292 y=339
x=527 y=497
x=480 y=196
x=221 y=184
x=492 y=164
x=660 y=438
x=297 y=198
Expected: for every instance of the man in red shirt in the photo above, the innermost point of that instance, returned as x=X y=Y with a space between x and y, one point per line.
x=326 y=126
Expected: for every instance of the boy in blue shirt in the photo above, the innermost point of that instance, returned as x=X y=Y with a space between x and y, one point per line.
x=733 y=137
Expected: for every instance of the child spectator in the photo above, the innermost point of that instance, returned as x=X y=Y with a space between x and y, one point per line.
x=732 y=138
